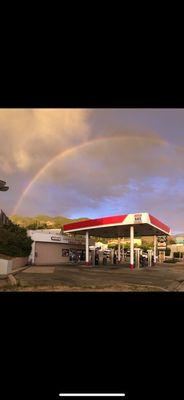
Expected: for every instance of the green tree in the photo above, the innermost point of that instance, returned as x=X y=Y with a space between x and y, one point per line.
x=32 y=226
x=146 y=247
x=14 y=241
x=112 y=246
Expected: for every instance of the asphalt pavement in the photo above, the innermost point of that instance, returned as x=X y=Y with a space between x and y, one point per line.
x=162 y=277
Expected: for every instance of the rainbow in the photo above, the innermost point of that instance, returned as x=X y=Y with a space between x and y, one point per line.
x=65 y=153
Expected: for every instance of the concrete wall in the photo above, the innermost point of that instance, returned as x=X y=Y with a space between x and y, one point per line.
x=19 y=262
x=5 y=266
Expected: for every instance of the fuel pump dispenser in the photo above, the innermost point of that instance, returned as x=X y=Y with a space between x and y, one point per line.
x=123 y=252
x=93 y=257
x=112 y=256
x=150 y=258
x=101 y=257
x=137 y=258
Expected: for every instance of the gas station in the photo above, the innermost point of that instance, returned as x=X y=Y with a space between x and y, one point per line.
x=121 y=226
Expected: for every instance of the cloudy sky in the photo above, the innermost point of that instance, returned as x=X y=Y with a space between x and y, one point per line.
x=93 y=162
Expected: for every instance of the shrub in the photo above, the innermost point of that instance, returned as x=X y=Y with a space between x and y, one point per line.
x=14 y=241
x=176 y=255
x=146 y=247
x=172 y=261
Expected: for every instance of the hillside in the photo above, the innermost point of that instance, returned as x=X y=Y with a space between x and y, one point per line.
x=42 y=221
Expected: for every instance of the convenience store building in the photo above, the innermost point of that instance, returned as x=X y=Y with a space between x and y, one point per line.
x=50 y=247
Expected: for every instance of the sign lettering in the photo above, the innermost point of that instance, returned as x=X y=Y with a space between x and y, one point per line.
x=137 y=218
x=56 y=238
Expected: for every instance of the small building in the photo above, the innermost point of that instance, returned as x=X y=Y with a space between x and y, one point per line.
x=179 y=238
x=177 y=250
x=50 y=247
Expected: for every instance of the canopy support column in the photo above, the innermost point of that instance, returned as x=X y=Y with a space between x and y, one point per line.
x=131 y=247
x=123 y=250
x=155 y=249
x=119 y=250
x=87 y=248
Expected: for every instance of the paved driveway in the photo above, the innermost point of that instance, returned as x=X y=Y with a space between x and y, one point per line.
x=162 y=277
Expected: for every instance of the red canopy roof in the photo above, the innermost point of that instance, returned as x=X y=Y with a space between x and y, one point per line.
x=119 y=225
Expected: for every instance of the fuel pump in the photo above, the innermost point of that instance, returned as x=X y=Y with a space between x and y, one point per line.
x=123 y=252
x=93 y=257
x=112 y=256
x=137 y=258
x=100 y=257
x=149 y=258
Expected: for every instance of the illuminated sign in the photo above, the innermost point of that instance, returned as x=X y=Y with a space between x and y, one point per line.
x=56 y=238
x=162 y=242
x=137 y=218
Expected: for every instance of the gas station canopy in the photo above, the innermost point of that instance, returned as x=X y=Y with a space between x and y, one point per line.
x=119 y=226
